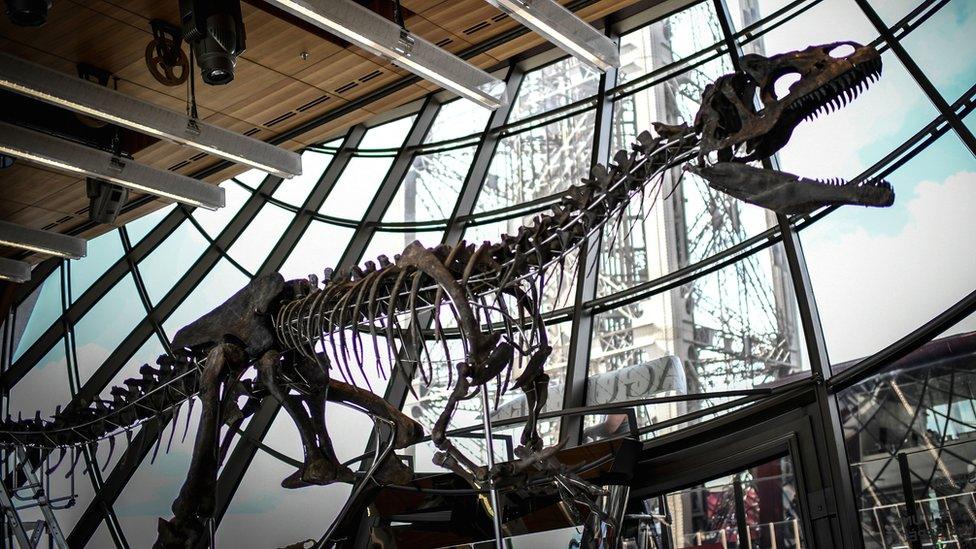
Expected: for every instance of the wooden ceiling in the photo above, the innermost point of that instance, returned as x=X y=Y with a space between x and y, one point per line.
x=289 y=75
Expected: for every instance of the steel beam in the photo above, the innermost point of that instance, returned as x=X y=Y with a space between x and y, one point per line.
x=106 y=104
x=588 y=274
x=77 y=159
x=14 y=271
x=44 y=242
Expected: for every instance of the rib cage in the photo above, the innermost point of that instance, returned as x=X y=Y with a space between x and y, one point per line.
x=360 y=302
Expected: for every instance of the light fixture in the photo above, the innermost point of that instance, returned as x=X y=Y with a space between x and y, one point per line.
x=45 y=242
x=561 y=27
x=383 y=37
x=14 y=271
x=60 y=154
x=106 y=104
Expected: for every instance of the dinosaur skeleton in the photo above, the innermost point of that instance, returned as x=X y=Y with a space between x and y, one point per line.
x=295 y=332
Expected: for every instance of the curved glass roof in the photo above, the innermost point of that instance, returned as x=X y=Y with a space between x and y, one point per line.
x=697 y=300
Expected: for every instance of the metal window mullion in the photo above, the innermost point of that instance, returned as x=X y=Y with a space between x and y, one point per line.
x=588 y=272
x=391 y=183
x=919 y=76
x=74 y=380
x=136 y=452
x=320 y=193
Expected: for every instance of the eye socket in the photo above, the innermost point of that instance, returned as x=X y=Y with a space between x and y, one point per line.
x=841 y=51
x=783 y=83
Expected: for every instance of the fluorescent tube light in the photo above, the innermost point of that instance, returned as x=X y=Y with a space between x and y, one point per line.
x=75 y=158
x=45 y=242
x=561 y=27
x=14 y=271
x=383 y=37
x=106 y=104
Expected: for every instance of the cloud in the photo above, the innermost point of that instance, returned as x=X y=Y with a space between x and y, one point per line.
x=872 y=288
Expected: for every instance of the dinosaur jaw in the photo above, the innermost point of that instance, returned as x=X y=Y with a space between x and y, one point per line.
x=786 y=193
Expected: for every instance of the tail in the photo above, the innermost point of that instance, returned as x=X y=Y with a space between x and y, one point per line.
x=161 y=390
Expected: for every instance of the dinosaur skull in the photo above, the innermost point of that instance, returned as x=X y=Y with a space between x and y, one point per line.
x=825 y=80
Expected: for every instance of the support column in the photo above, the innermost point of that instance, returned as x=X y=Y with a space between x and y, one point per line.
x=587 y=276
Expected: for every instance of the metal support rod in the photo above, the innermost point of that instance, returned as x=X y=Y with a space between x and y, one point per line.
x=496 y=510
x=910 y=519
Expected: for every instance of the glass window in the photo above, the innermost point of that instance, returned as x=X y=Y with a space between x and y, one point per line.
x=252 y=178
x=892 y=11
x=859 y=258
x=139 y=228
x=44 y=388
x=356 y=187
x=537 y=163
x=431 y=186
x=554 y=86
x=389 y=135
x=923 y=407
x=36 y=314
x=214 y=221
x=106 y=325
x=681 y=220
x=732 y=329
x=263 y=514
x=668 y=40
x=102 y=253
x=319 y=247
x=762 y=501
x=150 y=492
x=294 y=191
x=165 y=265
x=223 y=281
x=456 y=119
x=943 y=47
x=393 y=243
x=264 y=231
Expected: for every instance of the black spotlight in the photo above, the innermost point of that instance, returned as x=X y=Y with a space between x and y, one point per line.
x=215 y=31
x=28 y=13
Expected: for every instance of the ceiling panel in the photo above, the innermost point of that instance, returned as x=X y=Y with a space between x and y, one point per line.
x=291 y=75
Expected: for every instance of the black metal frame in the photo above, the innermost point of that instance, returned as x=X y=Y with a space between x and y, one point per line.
x=837 y=522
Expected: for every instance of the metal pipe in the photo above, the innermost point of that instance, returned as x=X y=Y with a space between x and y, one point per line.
x=496 y=510
x=605 y=533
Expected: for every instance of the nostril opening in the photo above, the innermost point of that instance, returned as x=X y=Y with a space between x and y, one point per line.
x=841 y=51
x=783 y=84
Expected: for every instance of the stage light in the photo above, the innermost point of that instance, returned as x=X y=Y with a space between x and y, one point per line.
x=45 y=242
x=60 y=154
x=561 y=27
x=106 y=104
x=14 y=271
x=215 y=31
x=383 y=37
